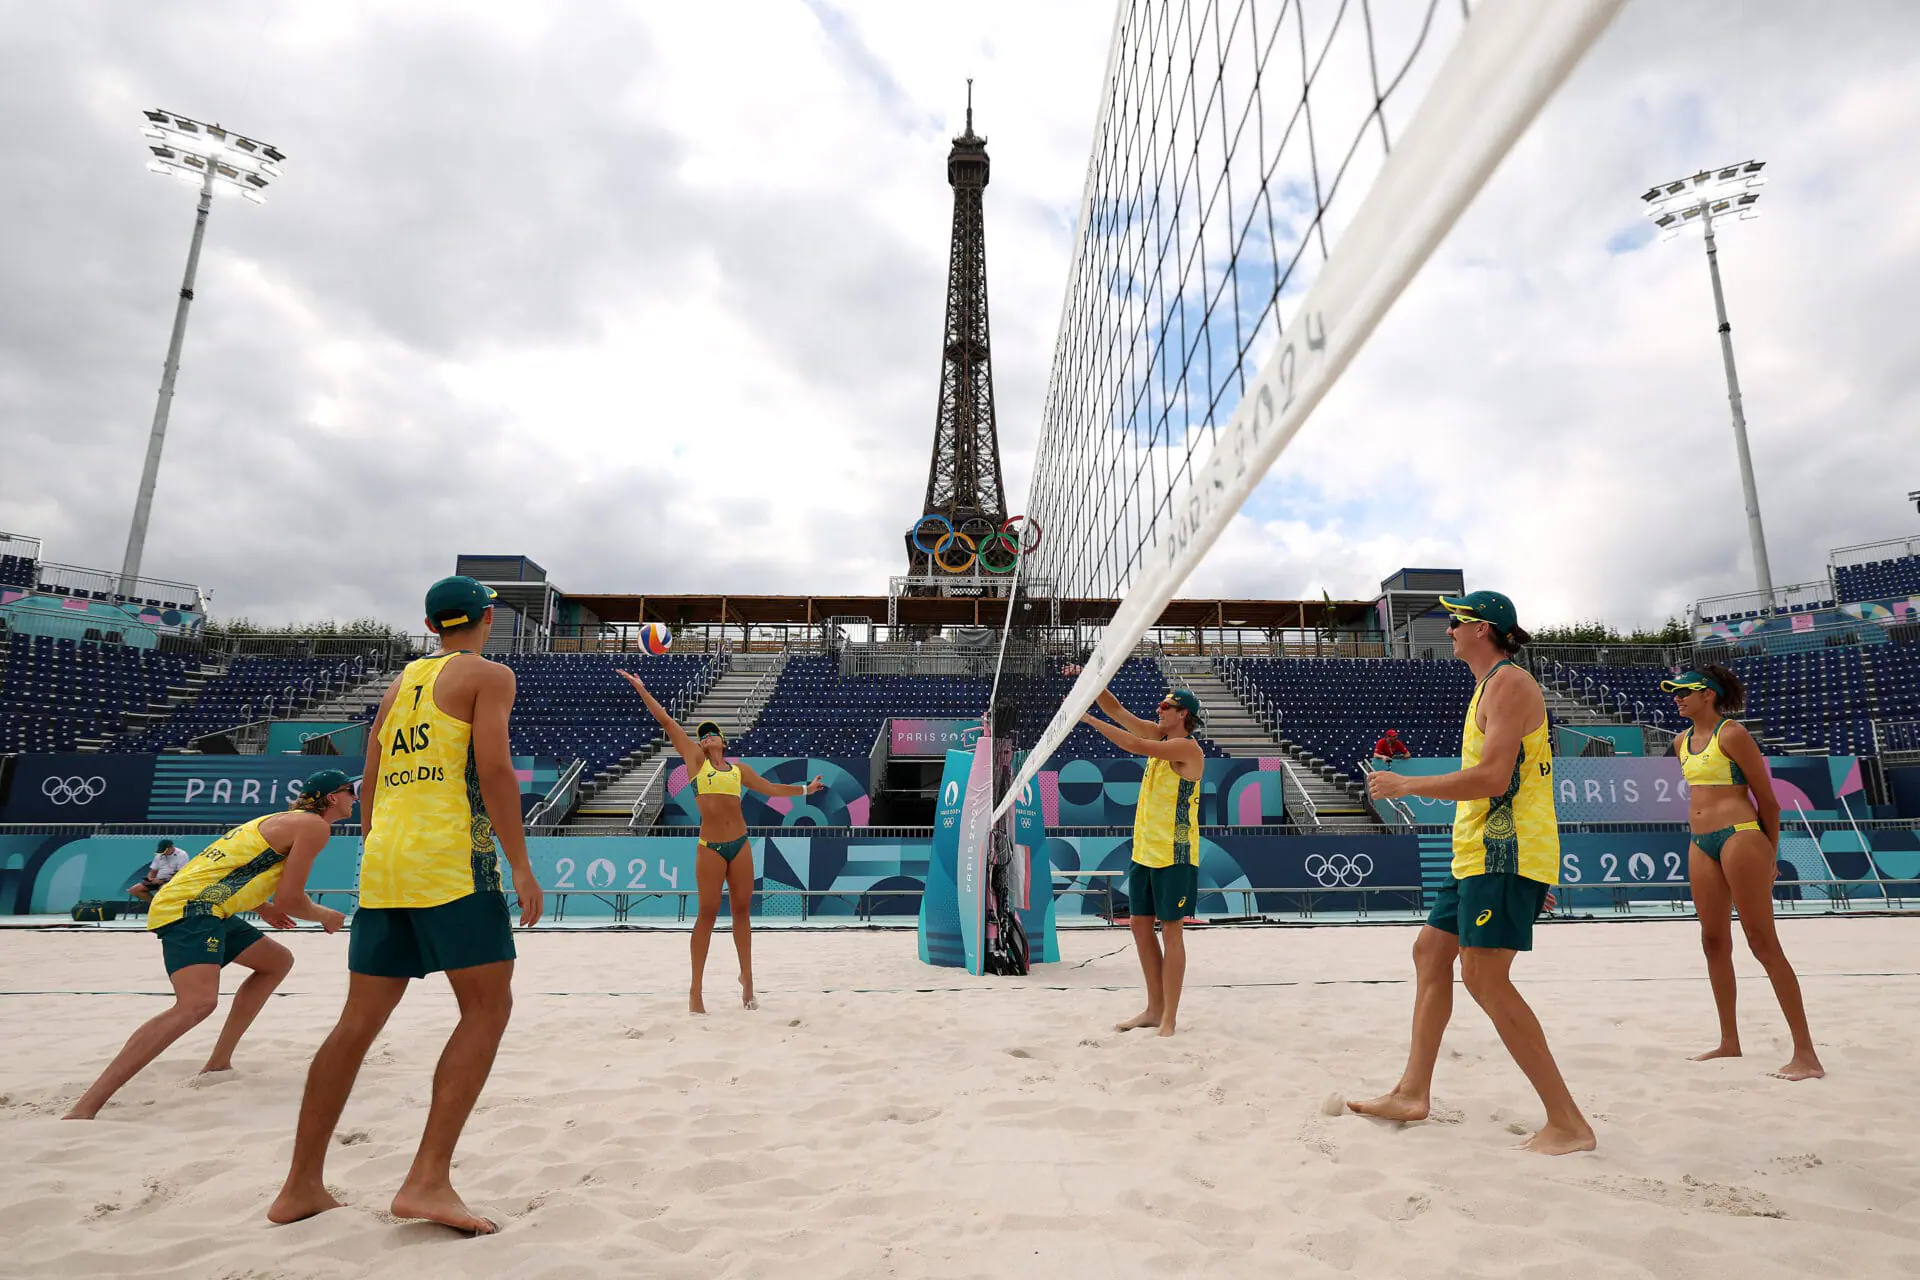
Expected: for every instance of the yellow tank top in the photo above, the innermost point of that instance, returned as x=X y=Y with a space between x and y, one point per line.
x=235 y=873
x=428 y=838
x=716 y=782
x=1166 y=821
x=1711 y=767
x=1516 y=831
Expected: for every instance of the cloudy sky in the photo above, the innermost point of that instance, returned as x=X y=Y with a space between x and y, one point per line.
x=652 y=294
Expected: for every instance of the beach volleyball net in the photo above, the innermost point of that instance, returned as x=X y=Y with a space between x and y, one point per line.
x=1264 y=180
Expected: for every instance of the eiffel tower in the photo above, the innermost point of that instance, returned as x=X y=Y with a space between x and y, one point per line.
x=963 y=483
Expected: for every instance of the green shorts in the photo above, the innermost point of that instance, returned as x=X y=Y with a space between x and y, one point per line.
x=1495 y=910
x=412 y=942
x=1170 y=893
x=192 y=940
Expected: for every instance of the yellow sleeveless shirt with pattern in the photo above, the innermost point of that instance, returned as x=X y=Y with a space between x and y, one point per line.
x=1710 y=766
x=1517 y=830
x=428 y=838
x=235 y=873
x=1166 y=821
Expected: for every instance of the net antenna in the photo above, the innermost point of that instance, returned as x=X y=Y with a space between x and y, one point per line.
x=1265 y=178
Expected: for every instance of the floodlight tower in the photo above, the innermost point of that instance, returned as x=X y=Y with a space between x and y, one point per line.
x=214 y=160
x=1730 y=192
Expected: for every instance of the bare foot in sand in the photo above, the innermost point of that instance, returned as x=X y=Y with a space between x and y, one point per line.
x=442 y=1205
x=1145 y=1019
x=1166 y=1026
x=747 y=1000
x=1803 y=1066
x=696 y=1003
x=211 y=1076
x=297 y=1204
x=1393 y=1106
x=1723 y=1051
x=1555 y=1141
x=78 y=1114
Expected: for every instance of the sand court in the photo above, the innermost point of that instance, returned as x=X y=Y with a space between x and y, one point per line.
x=877 y=1117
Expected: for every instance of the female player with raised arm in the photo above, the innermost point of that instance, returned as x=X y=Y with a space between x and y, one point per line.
x=724 y=858
x=1735 y=820
x=260 y=866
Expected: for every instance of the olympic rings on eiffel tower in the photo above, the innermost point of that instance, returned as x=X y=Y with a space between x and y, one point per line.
x=976 y=542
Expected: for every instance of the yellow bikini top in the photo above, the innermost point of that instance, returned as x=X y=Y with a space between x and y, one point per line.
x=710 y=781
x=1711 y=767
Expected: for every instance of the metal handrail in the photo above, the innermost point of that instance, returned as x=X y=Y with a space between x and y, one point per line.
x=559 y=799
x=1313 y=810
x=1402 y=810
x=656 y=778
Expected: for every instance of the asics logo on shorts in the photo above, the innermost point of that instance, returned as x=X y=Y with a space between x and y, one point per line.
x=1484 y=916
x=73 y=790
x=1339 y=868
x=1181 y=903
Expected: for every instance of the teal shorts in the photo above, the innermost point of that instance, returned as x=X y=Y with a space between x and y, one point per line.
x=1495 y=910
x=412 y=942
x=192 y=940
x=1169 y=893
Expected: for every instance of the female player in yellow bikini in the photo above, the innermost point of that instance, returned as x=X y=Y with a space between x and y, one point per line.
x=1736 y=834
x=724 y=858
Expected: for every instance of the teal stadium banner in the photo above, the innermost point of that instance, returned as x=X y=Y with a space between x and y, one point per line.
x=841 y=875
x=293 y=735
x=1650 y=788
x=1102 y=793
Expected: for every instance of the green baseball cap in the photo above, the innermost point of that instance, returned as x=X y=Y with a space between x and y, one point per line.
x=1483 y=606
x=1187 y=701
x=456 y=601
x=325 y=783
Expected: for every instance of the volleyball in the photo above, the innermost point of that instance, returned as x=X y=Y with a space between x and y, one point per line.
x=655 y=638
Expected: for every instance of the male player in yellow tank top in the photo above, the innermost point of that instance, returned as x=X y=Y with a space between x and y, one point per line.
x=1506 y=859
x=439 y=797
x=1164 y=883
x=260 y=866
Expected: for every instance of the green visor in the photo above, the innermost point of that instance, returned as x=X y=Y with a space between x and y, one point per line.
x=1691 y=682
x=709 y=729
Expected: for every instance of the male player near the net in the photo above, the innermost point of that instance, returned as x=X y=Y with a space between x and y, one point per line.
x=439 y=792
x=1506 y=858
x=1164 y=882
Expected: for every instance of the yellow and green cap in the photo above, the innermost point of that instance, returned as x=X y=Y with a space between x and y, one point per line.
x=1483 y=606
x=456 y=601
x=1188 y=702
x=709 y=727
x=1692 y=682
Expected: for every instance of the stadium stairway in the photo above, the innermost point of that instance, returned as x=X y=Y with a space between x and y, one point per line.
x=735 y=702
x=357 y=703
x=179 y=695
x=1234 y=728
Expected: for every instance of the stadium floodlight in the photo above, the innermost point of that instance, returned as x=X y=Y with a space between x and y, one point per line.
x=213 y=159
x=1707 y=197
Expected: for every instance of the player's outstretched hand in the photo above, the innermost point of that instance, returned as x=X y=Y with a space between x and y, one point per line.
x=332 y=921
x=818 y=784
x=1382 y=785
x=633 y=680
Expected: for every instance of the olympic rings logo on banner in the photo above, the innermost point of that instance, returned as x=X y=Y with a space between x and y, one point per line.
x=1339 y=869
x=977 y=540
x=73 y=790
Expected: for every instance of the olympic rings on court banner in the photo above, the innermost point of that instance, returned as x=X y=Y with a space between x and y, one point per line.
x=73 y=790
x=976 y=541
x=1339 y=869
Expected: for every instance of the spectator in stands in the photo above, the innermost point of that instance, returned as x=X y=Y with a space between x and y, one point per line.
x=259 y=865
x=1389 y=747
x=1735 y=819
x=1506 y=860
x=1164 y=883
x=440 y=805
x=723 y=859
x=166 y=863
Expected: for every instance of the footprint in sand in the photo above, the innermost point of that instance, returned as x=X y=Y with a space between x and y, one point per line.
x=352 y=1137
x=207 y=1079
x=1019 y=1053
